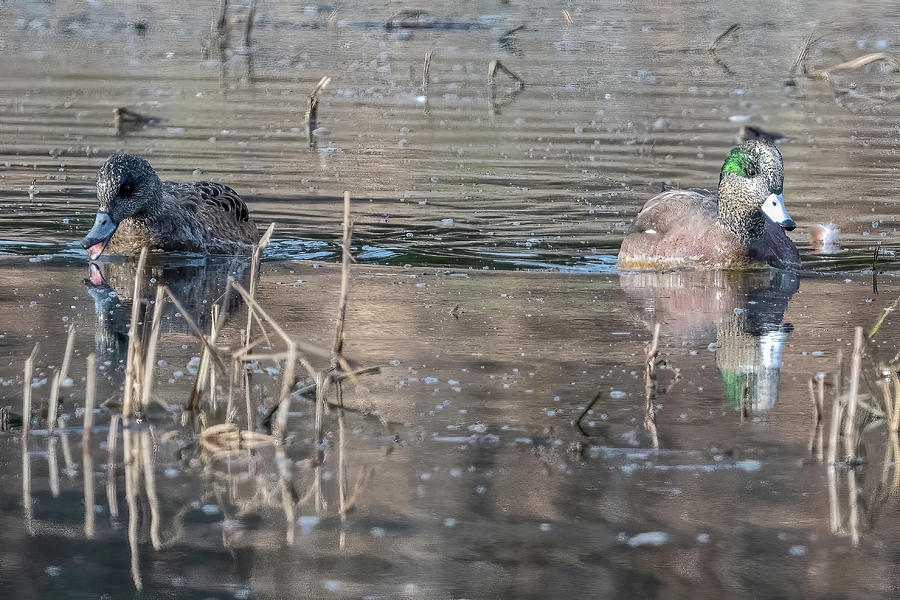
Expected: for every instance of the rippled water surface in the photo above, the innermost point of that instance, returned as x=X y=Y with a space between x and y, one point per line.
x=514 y=442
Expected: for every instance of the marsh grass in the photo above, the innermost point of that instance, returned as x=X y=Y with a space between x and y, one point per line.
x=312 y=109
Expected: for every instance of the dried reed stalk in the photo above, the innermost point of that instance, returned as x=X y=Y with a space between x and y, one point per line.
x=133 y=341
x=650 y=387
x=837 y=408
x=345 y=278
x=53 y=406
x=292 y=355
x=111 y=437
x=856 y=63
x=67 y=356
x=849 y=431
x=494 y=66
x=853 y=503
x=881 y=319
x=150 y=361
x=26 y=392
x=52 y=466
x=27 y=503
x=426 y=79
x=66 y=447
x=87 y=468
x=87 y=462
x=150 y=487
x=817 y=415
x=195 y=329
x=248 y=28
x=312 y=108
x=715 y=43
x=90 y=394
x=59 y=378
x=800 y=62
x=254 y=269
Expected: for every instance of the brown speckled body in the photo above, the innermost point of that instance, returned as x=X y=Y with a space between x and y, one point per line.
x=204 y=217
x=689 y=234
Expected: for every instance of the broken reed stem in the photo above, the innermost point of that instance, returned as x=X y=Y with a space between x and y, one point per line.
x=89 y=399
x=837 y=409
x=292 y=346
x=150 y=362
x=58 y=378
x=286 y=382
x=53 y=406
x=66 y=448
x=213 y=334
x=26 y=392
x=193 y=327
x=653 y=348
x=220 y=25
x=312 y=108
x=856 y=63
x=132 y=332
x=200 y=382
x=650 y=386
x=426 y=79
x=715 y=43
x=816 y=415
x=881 y=319
x=345 y=278
x=849 y=431
x=254 y=270
x=52 y=466
x=494 y=66
x=895 y=421
x=251 y=14
x=87 y=470
x=800 y=62
x=820 y=408
x=67 y=357
x=150 y=487
x=111 y=439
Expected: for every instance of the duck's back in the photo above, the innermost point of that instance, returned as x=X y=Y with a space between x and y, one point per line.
x=222 y=223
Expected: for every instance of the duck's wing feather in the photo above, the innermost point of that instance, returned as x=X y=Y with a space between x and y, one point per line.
x=211 y=198
x=672 y=209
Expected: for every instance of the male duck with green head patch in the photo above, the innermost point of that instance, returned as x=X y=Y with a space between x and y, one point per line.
x=741 y=226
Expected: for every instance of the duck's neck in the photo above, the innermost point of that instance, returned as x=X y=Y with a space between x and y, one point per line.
x=739 y=215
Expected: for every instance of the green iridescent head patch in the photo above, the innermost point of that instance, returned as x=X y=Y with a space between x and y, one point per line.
x=740 y=162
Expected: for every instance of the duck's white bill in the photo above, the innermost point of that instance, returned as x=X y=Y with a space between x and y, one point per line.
x=774 y=209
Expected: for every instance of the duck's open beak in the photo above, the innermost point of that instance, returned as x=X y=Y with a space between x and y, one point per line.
x=774 y=209
x=98 y=237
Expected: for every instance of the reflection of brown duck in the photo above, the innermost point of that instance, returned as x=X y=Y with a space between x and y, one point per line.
x=197 y=283
x=741 y=313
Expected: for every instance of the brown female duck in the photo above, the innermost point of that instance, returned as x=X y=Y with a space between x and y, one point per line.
x=136 y=209
x=740 y=226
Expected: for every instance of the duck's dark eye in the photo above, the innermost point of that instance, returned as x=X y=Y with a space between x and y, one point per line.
x=126 y=189
x=751 y=172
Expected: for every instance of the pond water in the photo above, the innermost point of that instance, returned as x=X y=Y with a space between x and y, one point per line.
x=514 y=442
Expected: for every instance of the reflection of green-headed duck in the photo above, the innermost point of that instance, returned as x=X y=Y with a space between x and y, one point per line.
x=136 y=209
x=739 y=226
